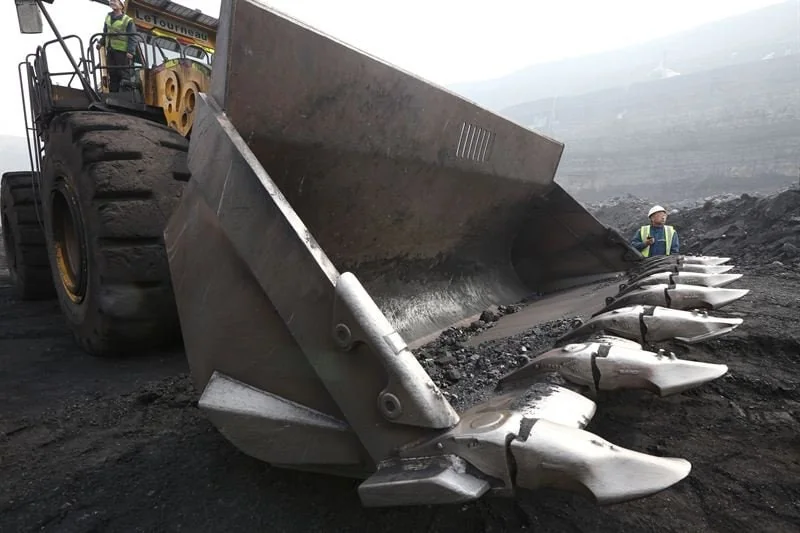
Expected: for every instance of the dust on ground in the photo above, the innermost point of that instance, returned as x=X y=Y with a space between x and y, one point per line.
x=94 y=445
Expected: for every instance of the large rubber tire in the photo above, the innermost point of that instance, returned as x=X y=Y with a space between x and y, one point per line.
x=23 y=237
x=110 y=184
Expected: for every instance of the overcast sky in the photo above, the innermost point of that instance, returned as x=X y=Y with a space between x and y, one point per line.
x=445 y=41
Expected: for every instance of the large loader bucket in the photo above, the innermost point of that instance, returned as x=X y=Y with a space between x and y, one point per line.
x=440 y=208
x=340 y=210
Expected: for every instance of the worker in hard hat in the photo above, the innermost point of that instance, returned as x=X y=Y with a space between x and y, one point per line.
x=656 y=238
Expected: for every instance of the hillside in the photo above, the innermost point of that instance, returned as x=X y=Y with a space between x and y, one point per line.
x=732 y=129
x=736 y=40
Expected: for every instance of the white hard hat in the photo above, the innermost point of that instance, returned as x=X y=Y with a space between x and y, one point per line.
x=655 y=209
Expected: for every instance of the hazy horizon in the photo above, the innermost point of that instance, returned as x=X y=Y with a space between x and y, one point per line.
x=444 y=42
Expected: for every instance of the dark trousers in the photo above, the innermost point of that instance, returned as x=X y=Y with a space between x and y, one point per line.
x=117 y=59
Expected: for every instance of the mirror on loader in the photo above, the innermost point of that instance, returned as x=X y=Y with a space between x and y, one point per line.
x=29 y=16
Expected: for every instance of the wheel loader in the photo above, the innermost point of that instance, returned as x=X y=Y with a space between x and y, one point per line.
x=313 y=218
x=107 y=170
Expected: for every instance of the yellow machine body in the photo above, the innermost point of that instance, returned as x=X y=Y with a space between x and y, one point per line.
x=173 y=63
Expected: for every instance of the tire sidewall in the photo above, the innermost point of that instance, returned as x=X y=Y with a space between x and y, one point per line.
x=10 y=240
x=121 y=177
x=62 y=175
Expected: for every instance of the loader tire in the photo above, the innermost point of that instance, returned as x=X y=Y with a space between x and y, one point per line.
x=110 y=184
x=23 y=238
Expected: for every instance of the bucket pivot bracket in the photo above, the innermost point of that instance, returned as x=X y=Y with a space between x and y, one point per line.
x=410 y=396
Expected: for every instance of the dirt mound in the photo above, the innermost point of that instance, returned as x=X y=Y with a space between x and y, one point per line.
x=755 y=229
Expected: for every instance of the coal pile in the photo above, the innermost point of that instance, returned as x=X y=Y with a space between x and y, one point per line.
x=756 y=229
x=468 y=374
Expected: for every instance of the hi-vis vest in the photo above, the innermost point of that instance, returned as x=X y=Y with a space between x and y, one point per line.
x=644 y=231
x=119 y=42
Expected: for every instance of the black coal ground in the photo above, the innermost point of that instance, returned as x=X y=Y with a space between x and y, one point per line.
x=91 y=445
x=468 y=374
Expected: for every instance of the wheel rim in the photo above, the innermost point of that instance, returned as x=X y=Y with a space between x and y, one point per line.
x=10 y=247
x=68 y=244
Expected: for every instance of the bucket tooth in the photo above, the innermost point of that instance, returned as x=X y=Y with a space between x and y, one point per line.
x=706 y=280
x=692 y=296
x=676 y=296
x=704 y=260
x=687 y=260
x=661 y=373
x=609 y=366
x=624 y=321
x=647 y=324
x=689 y=327
x=614 y=340
x=640 y=274
x=533 y=438
x=683 y=278
x=554 y=456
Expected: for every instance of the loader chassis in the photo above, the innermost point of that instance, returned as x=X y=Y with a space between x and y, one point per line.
x=107 y=169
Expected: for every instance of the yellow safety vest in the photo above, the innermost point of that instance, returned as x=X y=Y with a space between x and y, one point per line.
x=669 y=232
x=120 y=42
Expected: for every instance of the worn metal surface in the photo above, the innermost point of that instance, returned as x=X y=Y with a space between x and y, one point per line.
x=439 y=207
x=274 y=429
x=689 y=259
x=271 y=313
x=683 y=278
x=435 y=480
x=340 y=210
x=557 y=456
x=410 y=396
x=647 y=323
x=677 y=296
x=533 y=438
x=603 y=365
x=674 y=268
x=266 y=310
x=481 y=438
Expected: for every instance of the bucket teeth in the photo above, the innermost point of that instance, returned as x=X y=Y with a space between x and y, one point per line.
x=533 y=438
x=688 y=259
x=677 y=296
x=647 y=324
x=679 y=269
x=683 y=278
x=705 y=259
x=556 y=456
x=689 y=327
x=612 y=366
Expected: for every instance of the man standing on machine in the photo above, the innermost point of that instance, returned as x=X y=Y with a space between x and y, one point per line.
x=119 y=48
